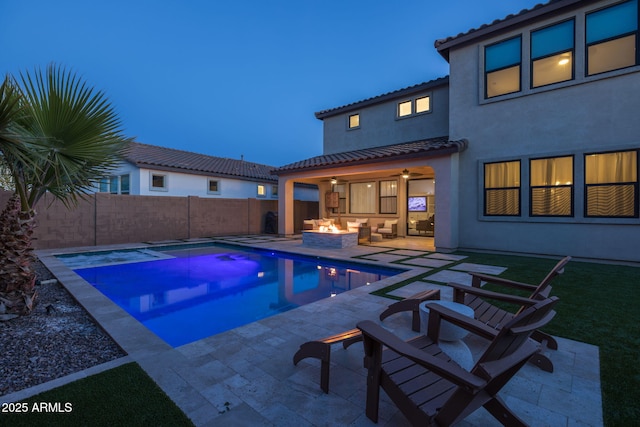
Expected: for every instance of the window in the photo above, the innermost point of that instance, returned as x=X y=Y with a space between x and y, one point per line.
x=354 y=121
x=612 y=38
x=213 y=186
x=611 y=181
x=262 y=190
x=502 y=67
x=124 y=184
x=363 y=198
x=423 y=104
x=404 y=109
x=158 y=182
x=104 y=185
x=388 y=197
x=113 y=185
x=342 y=198
x=414 y=106
x=274 y=191
x=552 y=54
x=551 y=186
x=502 y=188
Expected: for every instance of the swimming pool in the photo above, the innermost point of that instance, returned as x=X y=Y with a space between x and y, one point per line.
x=186 y=294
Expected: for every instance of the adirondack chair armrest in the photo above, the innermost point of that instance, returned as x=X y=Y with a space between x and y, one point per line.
x=459 y=291
x=498 y=367
x=449 y=371
x=438 y=312
x=481 y=277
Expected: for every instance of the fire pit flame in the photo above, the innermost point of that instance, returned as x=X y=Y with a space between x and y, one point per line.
x=328 y=229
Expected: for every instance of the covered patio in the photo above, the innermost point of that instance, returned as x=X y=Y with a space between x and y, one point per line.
x=375 y=184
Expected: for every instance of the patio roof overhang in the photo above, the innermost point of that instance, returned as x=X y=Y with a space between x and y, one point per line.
x=431 y=147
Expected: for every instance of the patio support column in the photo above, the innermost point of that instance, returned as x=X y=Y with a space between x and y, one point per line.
x=447 y=203
x=285 y=207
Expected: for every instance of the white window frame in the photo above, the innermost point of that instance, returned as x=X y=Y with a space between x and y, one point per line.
x=165 y=182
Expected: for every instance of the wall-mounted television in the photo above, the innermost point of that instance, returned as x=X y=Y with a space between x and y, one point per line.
x=417 y=204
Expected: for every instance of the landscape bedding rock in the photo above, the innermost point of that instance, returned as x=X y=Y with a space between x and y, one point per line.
x=58 y=338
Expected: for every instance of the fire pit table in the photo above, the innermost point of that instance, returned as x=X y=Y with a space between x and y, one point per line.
x=330 y=239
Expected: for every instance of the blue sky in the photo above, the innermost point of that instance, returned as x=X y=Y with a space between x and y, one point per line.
x=241 y=77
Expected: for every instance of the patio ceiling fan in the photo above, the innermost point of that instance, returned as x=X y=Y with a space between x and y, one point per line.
x=406 y=174
x=334 y=180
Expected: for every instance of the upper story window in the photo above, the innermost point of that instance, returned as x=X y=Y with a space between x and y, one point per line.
x=262 y=190
x=552 y=54
x=405 y=108
x=551 y=186
x=274 y=191
x=502 y=188
x=611 y=38
x=502 y=62
x=418 y=105
x=611 y=181
x=354 y=121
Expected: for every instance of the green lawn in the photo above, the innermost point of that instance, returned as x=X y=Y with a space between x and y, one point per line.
x=123 y=396
x=599 y=304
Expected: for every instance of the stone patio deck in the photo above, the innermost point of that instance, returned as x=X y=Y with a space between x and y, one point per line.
x=246 y=376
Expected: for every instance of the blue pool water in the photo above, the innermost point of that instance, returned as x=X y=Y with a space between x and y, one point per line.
x=203 y=291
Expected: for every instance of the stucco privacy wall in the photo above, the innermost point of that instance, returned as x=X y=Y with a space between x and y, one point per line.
x=107 y=219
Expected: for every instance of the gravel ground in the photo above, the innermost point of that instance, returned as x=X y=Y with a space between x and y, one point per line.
x=58 y=338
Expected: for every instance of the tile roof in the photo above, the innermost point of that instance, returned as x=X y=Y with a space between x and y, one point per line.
x=539 y=11
x=427 y=148
x=384 y=97
x=162 y=158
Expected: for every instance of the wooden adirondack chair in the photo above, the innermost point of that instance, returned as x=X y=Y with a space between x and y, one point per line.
x=429 y=388
x=476 y=298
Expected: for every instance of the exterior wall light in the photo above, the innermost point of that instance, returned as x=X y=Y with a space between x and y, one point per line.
x=405 y=174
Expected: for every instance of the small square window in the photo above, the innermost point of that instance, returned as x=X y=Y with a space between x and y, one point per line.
x=354 y=121
x=423 y=104
x=404 y=109
x=214 y=186
x=262 y=190
x=158 y=182
x=274 y=191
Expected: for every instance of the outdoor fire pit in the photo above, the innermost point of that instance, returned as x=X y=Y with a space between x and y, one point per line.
x=330 y=238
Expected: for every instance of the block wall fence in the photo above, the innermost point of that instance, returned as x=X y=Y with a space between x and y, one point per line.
x=103 y=219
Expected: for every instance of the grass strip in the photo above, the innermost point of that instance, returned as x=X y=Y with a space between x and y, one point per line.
x=123 y=396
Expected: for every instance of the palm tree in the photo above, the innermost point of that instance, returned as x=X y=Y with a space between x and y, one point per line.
x=57 y=136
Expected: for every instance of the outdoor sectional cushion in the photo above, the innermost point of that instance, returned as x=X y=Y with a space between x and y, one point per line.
x=389 y=223
x=353 y=225
x=388 y=226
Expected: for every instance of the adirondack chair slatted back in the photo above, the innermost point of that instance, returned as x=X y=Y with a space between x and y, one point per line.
x=507 y=353
x=515 y=332
x=544 y=288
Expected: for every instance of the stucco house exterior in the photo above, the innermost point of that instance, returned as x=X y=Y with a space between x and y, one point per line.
x=159 y=171
x=531 y=142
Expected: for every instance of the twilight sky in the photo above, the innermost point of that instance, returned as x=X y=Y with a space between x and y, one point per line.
x=238 y=77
